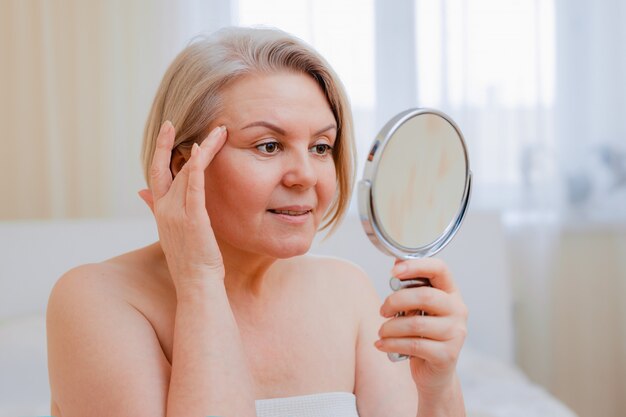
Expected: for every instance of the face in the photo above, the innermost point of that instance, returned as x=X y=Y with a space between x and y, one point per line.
x=272 y=182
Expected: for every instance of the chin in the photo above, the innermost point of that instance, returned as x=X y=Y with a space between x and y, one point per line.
x=291 y=254
x=289 y=248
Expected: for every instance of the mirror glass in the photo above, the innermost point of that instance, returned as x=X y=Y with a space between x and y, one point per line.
x=418 y=186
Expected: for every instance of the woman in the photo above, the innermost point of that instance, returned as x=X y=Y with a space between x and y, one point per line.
x=248 y=152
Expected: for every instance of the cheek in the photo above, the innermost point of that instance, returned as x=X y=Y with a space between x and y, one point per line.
x=220 y=183
x=232 y=185
x=327 y=186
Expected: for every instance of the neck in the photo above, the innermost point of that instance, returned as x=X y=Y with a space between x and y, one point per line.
x=250 y=278
x=248 y=275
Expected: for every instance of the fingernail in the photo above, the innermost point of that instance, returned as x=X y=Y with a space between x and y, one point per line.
x=167 y=127
x=194 y=149
x=378 y=343
x=217 y=131
x=398 y=269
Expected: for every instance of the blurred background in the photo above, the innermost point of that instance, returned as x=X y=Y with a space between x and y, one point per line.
x=537 y=87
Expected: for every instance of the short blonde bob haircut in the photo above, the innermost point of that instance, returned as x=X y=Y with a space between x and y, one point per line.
x=189 y=94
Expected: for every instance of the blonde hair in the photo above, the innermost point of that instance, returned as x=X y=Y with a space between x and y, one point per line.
x=189 y=94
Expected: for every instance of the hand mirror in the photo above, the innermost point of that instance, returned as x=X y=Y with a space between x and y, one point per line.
x=415 y=189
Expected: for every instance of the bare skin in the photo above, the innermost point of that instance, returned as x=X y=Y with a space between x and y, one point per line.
x=294 y=344
x=300 y=326
x=224 y=309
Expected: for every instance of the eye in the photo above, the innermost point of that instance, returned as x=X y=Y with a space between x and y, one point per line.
x=268 y=147
x=321 y=149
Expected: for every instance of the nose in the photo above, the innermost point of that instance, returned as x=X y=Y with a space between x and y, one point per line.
x=300 y=170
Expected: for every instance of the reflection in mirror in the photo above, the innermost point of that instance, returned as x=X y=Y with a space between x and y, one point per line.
x=419 y=184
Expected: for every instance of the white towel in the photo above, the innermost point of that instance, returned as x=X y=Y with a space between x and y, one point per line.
x=327 y=404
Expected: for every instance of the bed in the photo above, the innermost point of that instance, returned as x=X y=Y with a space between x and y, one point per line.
x=36 y=253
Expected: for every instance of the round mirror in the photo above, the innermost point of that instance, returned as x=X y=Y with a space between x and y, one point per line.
x=416 y=185
x=415 y=188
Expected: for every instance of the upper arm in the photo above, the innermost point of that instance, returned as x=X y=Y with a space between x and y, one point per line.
x=382 y=387
x=104 y=357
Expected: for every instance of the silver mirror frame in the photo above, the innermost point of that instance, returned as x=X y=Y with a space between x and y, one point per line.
x=367 y=212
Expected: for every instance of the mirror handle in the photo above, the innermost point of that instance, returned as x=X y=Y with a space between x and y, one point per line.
x=397 y=284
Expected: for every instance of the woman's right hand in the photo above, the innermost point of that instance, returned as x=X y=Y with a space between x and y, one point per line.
x=179 y=207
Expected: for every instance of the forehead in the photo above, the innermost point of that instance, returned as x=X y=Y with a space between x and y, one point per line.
x=282 y=97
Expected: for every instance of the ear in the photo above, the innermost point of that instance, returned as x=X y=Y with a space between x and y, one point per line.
x=179 y=157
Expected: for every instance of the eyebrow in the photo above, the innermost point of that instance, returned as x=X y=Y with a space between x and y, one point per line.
x=282 y=131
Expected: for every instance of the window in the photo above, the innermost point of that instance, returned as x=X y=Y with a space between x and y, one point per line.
x=489 y=64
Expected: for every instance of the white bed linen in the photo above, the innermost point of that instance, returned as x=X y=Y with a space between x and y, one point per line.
x=492 y=388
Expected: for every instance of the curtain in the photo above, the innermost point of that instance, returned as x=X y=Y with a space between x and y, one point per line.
x=77 y=81
x=538 y=89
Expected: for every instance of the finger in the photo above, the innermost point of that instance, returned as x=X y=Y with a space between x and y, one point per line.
x=177 y=193
x=440 y=355
x=160 y=174
x=429 y=299
x=194 y=198
x=431 y=327
x=432 y=268
x=204 y=154
x=198 y=163
x=214 y=142
x=146 y=196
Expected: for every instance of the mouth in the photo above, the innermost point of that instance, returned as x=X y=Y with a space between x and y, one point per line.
x=290 y=212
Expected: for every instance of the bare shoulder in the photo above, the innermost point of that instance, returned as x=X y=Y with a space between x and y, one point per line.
x=339 y=270
x=343 y=281
x=100 y=343
x=85 y=281
x=130 y=277
x=346 y=274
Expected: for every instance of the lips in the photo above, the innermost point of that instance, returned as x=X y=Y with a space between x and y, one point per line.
x=289 y=212
x=292 y=210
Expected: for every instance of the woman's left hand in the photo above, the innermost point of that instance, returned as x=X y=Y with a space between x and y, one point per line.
x=432 y=341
